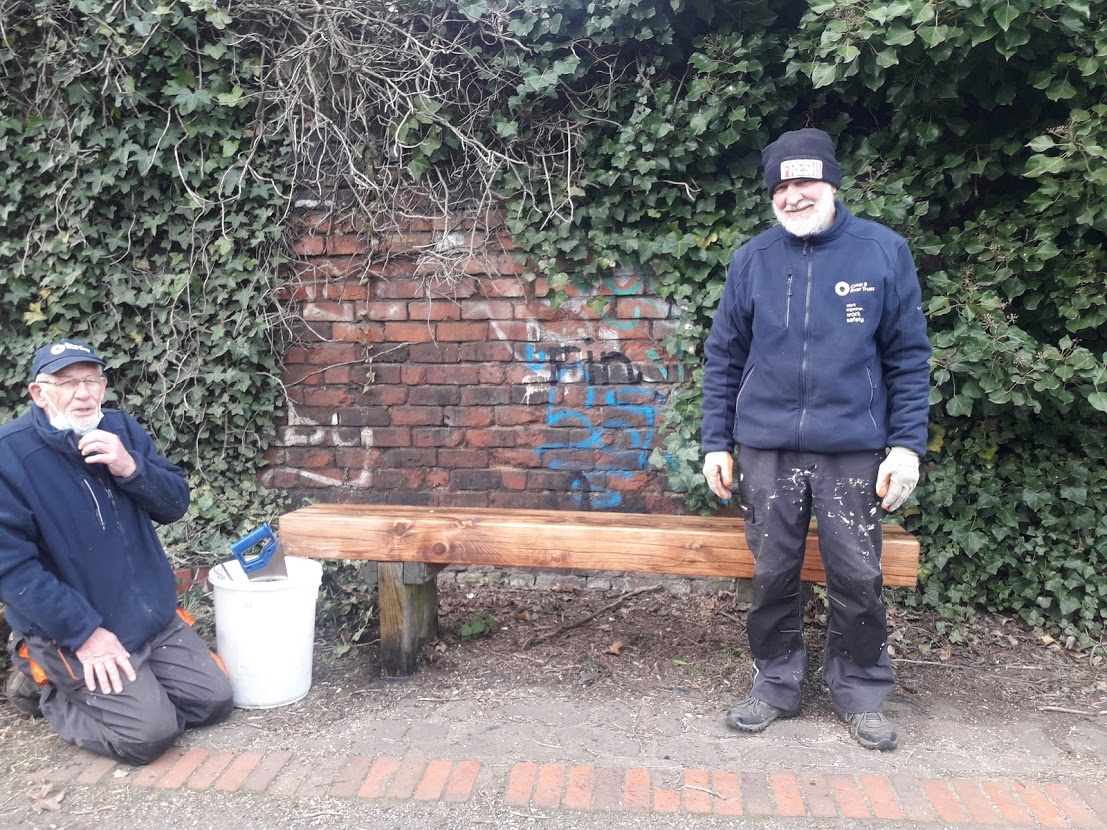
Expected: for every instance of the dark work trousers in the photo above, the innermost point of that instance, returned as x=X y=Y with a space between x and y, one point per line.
x=180 y=684
x=780 y=491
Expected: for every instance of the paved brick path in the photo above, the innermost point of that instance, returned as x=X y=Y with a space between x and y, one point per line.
x=558 y=786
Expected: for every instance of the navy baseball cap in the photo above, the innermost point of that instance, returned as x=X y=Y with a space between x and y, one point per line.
x=57 y=356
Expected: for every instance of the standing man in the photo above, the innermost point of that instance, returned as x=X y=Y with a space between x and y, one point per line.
x=818 y=371
x=98 y=647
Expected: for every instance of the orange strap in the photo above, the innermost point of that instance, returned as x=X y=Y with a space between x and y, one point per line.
x=37 y=674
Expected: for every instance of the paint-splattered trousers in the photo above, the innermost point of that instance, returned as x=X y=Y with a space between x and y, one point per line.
x=179 y=684
x=781 y=491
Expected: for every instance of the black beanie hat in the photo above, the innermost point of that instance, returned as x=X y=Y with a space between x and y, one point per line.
x=801 y=154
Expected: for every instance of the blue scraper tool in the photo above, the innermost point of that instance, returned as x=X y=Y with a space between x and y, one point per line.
x=260 y=556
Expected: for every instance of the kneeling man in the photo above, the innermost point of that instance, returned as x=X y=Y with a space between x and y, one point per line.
x=98 y=646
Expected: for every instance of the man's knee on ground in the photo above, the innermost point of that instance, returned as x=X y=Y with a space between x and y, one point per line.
x=137 y=743
x=218 y=707
x=146 y=742
x=211 y=708
x=138 y=753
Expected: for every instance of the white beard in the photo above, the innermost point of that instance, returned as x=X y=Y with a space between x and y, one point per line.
x=82 y=426
x=819 y=220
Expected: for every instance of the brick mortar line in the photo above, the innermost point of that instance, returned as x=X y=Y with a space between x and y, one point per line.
x=586 y=787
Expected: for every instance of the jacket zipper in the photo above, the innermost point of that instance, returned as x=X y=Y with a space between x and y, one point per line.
x=95 y=502
x=872 y=397
x=806 y=332
x=738 y=397
x=788 y=301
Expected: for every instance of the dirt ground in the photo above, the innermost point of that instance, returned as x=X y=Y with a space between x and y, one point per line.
x=599 y=642
x=648 y=643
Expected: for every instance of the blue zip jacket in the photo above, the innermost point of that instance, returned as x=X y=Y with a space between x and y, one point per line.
x=78 y=548
x=819 y=344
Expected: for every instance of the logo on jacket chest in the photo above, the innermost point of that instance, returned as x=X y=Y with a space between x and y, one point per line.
x=855 y=312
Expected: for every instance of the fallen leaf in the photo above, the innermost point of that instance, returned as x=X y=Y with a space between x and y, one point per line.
x=523 y=616
x=944 y=653
x=605 y=627
x=614 y=648
x=47 y=799
x=891 y=651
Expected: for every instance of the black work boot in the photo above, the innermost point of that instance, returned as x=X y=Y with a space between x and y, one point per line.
x=871 y=729
x=23 y=693
x=753 y=715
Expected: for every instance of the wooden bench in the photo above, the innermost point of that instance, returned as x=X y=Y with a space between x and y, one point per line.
x=412 y=543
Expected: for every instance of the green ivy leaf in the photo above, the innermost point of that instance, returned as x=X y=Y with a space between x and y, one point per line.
x=899 y=35
x=823 y=74
x=1061 y=90
x=1043 y=165
x=1005 y=14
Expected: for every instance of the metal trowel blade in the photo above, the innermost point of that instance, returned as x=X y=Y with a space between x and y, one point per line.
x=275 y=569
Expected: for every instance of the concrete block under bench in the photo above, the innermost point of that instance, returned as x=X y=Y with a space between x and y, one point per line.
x=410 y=544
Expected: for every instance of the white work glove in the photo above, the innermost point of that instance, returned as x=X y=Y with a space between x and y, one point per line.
x=718 y=469
x=897 y=477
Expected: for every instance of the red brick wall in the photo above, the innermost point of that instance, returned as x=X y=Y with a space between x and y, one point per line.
x=474 y=391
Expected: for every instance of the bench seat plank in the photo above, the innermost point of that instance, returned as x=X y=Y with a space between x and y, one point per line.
x=575 y=540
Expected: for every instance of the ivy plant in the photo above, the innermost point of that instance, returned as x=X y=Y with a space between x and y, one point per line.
x=150 y=153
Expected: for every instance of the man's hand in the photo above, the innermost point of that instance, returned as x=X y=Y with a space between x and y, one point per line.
x=102 y=656
x=102 y=447
x=718 y=469
x=897 y=477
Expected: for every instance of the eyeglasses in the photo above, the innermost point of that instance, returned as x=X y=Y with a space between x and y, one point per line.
x=91 y=384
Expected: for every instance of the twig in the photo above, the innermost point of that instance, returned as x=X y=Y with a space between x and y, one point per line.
x=927 y=663
x=1067 y=711
x=705 y=790
x=528 y=815
x=609 y=607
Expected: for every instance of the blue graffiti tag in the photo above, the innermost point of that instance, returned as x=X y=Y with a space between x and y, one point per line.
x=617 y=435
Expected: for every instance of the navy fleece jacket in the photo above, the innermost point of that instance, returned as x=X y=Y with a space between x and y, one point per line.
x=78 y=548
x=819 y=344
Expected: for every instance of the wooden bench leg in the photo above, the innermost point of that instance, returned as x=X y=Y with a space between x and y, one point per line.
x=408 y=596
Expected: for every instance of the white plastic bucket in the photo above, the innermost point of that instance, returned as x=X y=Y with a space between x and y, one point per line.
x=265 y=631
